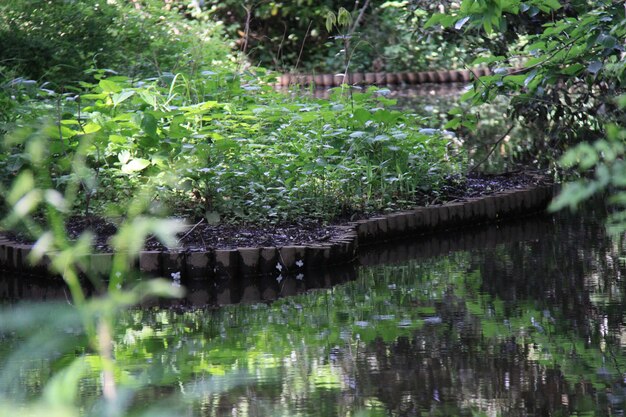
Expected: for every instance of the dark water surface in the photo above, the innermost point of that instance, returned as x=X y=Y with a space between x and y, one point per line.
x=523 y=319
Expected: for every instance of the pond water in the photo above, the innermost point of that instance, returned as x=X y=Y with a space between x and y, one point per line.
x=521 y=319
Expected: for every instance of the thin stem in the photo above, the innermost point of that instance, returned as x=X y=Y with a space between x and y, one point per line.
x=495 y=145
x=302 y=46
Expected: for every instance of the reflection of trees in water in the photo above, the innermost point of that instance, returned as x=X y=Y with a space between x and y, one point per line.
x=557 y=281
x=459 y=375
x=574 y=273
x=495 y=377
x=436 y=336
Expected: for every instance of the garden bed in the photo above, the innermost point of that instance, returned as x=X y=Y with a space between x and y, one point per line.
x=201 y=236
x=486 y=200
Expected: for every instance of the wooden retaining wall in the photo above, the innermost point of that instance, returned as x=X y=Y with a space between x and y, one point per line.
x=299 y=260
x=383 y=78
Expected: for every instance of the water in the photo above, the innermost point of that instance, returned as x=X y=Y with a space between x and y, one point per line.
x=521 y=319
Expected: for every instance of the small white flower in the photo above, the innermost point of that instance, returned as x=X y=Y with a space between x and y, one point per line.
x=118 y=274
x=176 y=284
x=300 y=263
x=175 y=276
x=300 y=277
x=119 y=286
x=279 y=278
x=279 y=266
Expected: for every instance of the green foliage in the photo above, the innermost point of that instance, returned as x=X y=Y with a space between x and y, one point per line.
x=57 y=41
x=562 y=79
x=603 y=168
x=232 y=147
x=568 y=78
x=296 y=35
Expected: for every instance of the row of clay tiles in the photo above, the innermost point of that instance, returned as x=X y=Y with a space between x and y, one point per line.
x=297 y=260
x=253 y=289
x=383 y=78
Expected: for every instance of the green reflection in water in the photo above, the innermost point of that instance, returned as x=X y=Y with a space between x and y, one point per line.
x=525 y=328
x=425 y=337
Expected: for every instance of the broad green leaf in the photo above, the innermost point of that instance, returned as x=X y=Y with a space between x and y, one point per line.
x=149 y=125
x=24 y=183
x=573 y=69
x=362 y=115
x=109 y=86
x=331 y=20
x=519 y=80
x=551 y=5
x=91 y=128
x=117 y=139
x=121 y=97
x=441 y=19
x=135 y=165
x=100 y=96
x=344 y=18
x=453 y=124
x=149 y=98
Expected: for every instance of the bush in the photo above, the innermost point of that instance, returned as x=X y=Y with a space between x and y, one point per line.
x=58 y=40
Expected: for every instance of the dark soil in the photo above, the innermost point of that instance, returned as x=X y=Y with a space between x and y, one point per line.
x=202 y=236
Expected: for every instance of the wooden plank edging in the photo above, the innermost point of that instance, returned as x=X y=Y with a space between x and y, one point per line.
x=384 y=78
x=297 y=260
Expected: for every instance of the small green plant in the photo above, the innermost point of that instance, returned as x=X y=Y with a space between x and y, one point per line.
x=343 y=22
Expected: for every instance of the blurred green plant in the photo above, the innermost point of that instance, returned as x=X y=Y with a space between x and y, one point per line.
x=602 y=169
x=42 y=210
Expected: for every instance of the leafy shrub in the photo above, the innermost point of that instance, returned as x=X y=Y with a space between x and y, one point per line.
x=572 y=66
x=59 y=40
x=290 y=36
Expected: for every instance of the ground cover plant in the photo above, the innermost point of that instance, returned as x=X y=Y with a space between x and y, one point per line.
x=226 y=146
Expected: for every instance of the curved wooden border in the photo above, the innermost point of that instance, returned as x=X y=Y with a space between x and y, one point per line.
x=383 y=78
x=295 y=260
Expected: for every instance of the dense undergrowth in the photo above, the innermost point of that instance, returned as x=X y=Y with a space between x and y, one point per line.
x=226 y=146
